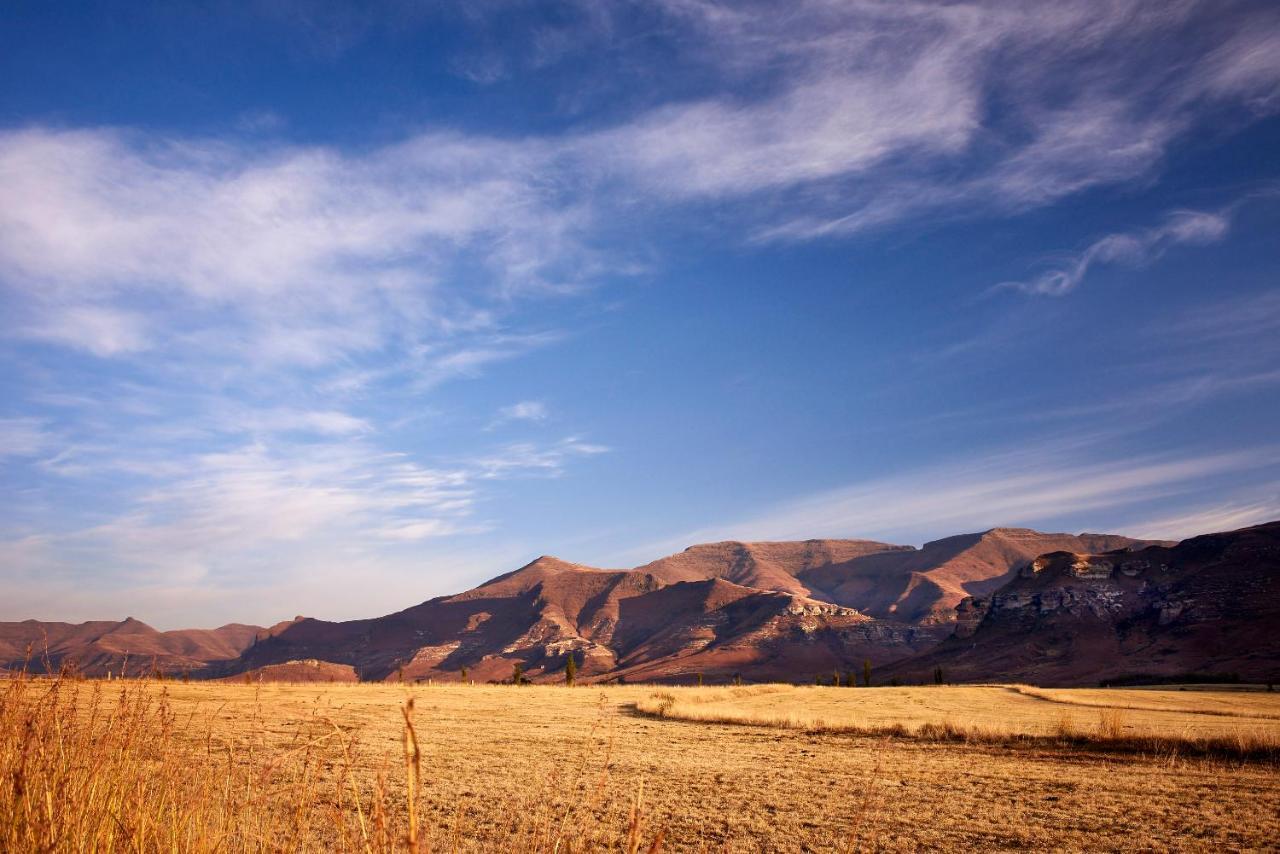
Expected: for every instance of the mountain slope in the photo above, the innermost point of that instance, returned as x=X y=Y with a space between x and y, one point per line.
x=924 y=586
x=1208 y=605
x=100 y=646
x=782 y=610
x=767 y=566
x=1000 y=604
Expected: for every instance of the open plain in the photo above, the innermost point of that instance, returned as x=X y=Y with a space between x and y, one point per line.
x=203 y=766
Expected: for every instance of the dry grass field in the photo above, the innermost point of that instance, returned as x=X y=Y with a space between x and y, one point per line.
x=148 y=766
x=1170 y=720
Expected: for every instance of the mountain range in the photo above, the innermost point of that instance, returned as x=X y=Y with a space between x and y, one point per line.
x=1004 y=604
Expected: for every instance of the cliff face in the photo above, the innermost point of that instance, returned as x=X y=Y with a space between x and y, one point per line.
x=925 y=586
x=1205 y=606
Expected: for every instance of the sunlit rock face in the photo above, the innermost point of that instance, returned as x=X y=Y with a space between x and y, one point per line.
x=1206 y=606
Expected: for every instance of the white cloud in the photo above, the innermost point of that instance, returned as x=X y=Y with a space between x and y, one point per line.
x=95 y=329
x=1208 y=520
x=267 y=510
x=1133 y=248
x=23 y=437
x=323 y=422
x=831 y=119
x=525 y=410
x=1030 y=486
x=1253 y=317
x=259 y=289
x=875 y=112
x=279 y=254
x=531 y=458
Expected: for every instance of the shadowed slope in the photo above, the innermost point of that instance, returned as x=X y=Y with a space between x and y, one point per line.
x=925 y=585
x=1208 y=605
x=763 y=610
x=767 y=566
x=100 y=646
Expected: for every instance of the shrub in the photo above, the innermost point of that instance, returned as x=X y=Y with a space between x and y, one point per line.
x=1111 y=723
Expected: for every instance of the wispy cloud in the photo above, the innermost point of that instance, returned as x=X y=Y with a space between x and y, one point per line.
x=829 y=120
x=1210 y=519
x=529 y=411
x=220 y=519
x=1251 y=317
x=233 y=317
x=1036 y=485
x=875 y=112
x=24 y=437
x=294 y=255
x=1133 y=249
x=546 y=460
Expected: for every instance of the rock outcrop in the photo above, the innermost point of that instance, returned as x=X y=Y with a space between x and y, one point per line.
x=1205 y=607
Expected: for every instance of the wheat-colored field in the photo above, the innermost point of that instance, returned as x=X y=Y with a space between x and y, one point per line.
x=149 y=766
x=1101 y=718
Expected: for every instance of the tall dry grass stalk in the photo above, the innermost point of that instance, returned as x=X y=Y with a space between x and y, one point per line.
x=1111 y=724
x=96 y=766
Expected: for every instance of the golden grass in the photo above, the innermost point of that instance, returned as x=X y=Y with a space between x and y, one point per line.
x=107 y=766
x=146 y=766
x=996 y=714
x=1225 y=702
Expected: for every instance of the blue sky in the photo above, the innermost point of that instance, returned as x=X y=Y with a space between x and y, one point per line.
x=327 y=308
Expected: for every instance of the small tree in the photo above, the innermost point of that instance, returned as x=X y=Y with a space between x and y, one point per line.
x=517 y=674
x=937 y=675
x=737 y=679
x=835 y=677
x=849 y=679
x=699 y=680
x=570 y=671
x=463 y=673
x=817 y=680
x=866 y=673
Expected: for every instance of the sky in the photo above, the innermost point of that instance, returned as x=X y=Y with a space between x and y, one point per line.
x=329 y=308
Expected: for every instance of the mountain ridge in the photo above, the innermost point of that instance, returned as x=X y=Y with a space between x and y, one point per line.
x=786 y=610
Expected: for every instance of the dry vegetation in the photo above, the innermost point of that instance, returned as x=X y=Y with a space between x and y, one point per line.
x=1244 y=726
x=144 y=766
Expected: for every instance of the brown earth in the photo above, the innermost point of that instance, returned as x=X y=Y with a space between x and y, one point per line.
x=1205 y=608
x=103 y=646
